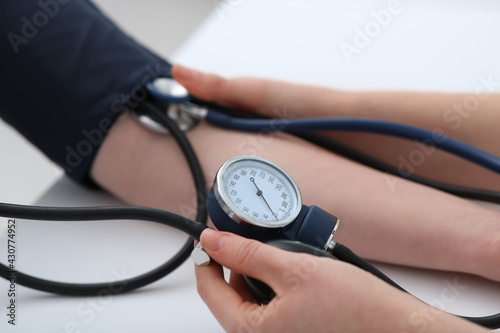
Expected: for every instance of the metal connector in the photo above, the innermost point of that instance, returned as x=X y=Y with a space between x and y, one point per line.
x=193 y=110
x=199 y=256
x=186 y=115
x=330 y=243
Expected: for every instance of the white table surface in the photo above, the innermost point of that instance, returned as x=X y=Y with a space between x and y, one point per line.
x=428 y=45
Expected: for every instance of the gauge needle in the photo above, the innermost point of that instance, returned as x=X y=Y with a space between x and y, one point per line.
x=260 y=194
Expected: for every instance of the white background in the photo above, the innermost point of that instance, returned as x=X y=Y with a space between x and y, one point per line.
x=440 y=45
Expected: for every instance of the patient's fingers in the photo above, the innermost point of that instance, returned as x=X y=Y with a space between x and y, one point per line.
x=259 y=95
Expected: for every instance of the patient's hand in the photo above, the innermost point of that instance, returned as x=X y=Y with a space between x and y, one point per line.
x=431 y=111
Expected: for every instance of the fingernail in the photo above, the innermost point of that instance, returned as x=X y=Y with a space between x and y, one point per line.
x=213 y=240
x=185 y=74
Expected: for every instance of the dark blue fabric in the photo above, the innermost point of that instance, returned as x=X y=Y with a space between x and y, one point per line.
x=66 y=74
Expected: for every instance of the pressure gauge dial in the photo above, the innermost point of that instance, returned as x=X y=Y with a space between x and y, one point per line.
x=257 y=192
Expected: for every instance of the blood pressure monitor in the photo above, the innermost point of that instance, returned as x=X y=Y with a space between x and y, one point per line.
x=257 y=193
x=255 y=198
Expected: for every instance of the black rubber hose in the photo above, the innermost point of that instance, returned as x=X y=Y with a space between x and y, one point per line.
x=362 y=158
x=192 y=228
x=357 y=156
x=343 y=253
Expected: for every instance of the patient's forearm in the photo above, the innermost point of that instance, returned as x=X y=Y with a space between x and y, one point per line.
x=449 y=114
x=398 y=222
x=471 y=118
x=467 y=117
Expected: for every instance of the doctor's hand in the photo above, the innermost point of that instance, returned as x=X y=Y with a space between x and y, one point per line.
x=312 y=294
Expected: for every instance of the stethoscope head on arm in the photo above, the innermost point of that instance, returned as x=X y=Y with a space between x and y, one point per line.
x=168 y=91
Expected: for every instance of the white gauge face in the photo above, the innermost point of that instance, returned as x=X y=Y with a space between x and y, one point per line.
x=257 y=191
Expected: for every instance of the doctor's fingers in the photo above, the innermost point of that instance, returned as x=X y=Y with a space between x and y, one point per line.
x=255 y=259
x=223 y=301
x=265 y=97
x=238 y=283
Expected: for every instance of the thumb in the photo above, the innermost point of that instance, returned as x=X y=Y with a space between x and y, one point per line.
x=249 y=257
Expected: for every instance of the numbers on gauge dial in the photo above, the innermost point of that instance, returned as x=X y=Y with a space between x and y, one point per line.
x=260 y=193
